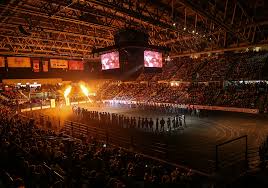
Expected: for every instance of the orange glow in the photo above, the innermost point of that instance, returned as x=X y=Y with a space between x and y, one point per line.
x=86 y=92
x=84 y=89
x=67 y=91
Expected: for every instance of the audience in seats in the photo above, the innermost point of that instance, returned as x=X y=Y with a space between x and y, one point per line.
x=241 y=95
x=43 y=158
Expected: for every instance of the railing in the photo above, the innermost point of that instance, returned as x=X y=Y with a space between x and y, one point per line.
x=157 y=145
x=114 y=136
x=234 y=158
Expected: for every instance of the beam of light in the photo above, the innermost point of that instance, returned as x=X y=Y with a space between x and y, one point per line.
x=67 y=91
x=85 y=91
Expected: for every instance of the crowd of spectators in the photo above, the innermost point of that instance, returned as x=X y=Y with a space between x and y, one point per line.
x=235 y=66
x=12 y=94
x=237 y=94
x=34 y=157
x=202 y=82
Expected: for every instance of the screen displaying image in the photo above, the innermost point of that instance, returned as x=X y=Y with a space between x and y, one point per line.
x=110 y=60
x=152 y=59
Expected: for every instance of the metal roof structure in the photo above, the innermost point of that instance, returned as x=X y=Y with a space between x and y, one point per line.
x=72 y=28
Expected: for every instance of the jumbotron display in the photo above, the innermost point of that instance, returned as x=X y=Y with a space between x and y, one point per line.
x=152 y=59
x=110 y=61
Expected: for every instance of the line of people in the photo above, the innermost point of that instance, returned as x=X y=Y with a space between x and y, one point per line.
x=144 y=123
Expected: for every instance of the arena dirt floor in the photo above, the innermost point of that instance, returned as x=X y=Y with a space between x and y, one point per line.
x=195 y=144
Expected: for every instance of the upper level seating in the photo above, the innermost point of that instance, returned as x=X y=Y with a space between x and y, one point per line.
x=215 y=69
x=248 y=66
x=236 y=66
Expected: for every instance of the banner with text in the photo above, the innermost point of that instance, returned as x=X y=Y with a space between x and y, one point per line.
x=20 y=62
x=2 y=62
x=58 y=64
x=45 y=66
x=76 y=65
x=36 y=65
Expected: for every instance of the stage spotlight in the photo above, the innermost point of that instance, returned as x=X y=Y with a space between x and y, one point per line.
x=174 y=24
x=66 y=94
x=84 y=90
x=67 y=91
x=196 y=33
x=184 y=28
x=193 y=31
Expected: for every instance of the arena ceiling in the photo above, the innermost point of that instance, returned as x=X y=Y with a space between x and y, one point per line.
x=72 y=28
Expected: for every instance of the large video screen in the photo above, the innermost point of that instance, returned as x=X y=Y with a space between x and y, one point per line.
x=152 y=59
x=110 y=60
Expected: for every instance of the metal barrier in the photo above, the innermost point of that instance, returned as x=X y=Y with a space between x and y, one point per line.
x=115 y=137
x=144 y=143
x=234 y=158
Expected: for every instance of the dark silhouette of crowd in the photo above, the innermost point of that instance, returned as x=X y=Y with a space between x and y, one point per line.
x=33 y=157
x=158 y=124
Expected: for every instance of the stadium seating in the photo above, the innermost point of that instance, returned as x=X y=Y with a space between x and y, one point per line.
x=43 y=158
x=234 y=95
x=237 y=66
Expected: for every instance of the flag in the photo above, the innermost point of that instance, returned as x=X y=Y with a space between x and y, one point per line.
x=36 y=65
x=45 y=66
x=2 y=62
x=76 y=65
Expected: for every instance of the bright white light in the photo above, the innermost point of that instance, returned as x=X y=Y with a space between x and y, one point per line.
x=84 y=90
x=184 y=28
x=174 y=24
x=196 y=33
x=193 y=31
x=67 y=91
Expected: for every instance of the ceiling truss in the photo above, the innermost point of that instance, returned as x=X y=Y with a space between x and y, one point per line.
x=72 y=28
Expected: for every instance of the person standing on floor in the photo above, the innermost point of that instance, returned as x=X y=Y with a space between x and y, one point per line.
x=156 y=125
x=162 y=123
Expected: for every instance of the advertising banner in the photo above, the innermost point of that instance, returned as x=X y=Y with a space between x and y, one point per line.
x=2 y=62
x=76 y=65
x=58 y=64
x=36 y=65
x=19 y=62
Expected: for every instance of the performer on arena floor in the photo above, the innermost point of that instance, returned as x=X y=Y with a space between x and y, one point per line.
x=169 y=124
x=156 y=124
x=162 y=123
x=151 y=123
